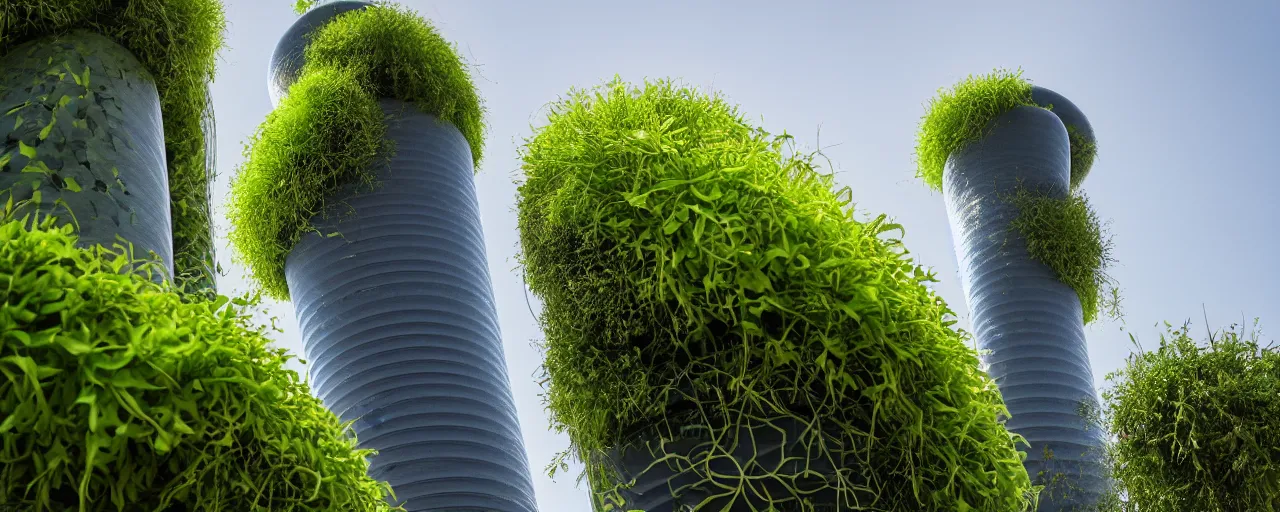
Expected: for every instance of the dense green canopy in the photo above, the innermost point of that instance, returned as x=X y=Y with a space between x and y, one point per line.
x=119 y=395
x=695 y=272
x=1197 y=424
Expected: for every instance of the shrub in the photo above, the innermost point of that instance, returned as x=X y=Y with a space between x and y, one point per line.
x=118 y=394
x=1065 y=235
x=1198 y=427
x=328 y=132
x=177 y=41
x=696 y=274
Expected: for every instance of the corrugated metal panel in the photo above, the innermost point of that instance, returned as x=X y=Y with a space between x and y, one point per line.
x=1029 y=319
x=398 y=322
x=113 y=126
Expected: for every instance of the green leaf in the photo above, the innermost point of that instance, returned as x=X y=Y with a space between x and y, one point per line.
x=44 y=132
x=671 y=225
x=26 y=150
x=37 y=166
x=74 y=346
x=74 y=76
x=22 y=337
x=71 y=184
x=753 y=280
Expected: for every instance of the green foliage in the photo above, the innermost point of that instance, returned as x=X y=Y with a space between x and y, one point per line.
x=962 y=115
x=1065 y=234
x=326 y=133
x=1083 y=151
x=697 y=275
x=119 y=395
x=177 y=42
x=399 y=55
x=302 y=6
x=1198 y=427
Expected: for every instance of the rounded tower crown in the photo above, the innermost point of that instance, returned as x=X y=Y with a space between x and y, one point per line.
x=287 y=59
x=1072 y=118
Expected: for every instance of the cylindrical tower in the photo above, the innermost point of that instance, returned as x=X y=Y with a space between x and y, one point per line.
x=397 y=314
x=82 y=125
x=1029 y=320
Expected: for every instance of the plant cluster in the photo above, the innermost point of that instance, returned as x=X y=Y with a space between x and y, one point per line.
x=177 y=42
x=1066 y=235
x=1197 y=426
x=119 y=395
x=329 y=131
x=963 y=114
x=697 y=275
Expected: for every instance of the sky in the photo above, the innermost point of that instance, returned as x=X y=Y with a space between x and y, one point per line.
x=1180 y=95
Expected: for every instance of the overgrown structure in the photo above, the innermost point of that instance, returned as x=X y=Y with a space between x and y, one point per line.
x=128 y=384
x=357 y=203
x=721 y=334
x=1008 y=157
x=91 y=81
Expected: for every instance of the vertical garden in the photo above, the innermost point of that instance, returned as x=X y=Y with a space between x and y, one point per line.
x=720 y=333
x=128 y=384
x=1008 y=157
x=356 y=202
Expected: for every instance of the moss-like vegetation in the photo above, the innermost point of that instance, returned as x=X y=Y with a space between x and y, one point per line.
x=400 y=55
x=962 y=115
x=177 y=42
x=1197 y=426
x=301 y=6
x=1066 y=235
x=1083 y=151
x=696 y=273
x=328 y=132
x=119 y=395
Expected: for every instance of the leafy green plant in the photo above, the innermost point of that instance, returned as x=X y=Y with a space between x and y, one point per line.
x=177 y=41
x=1065 y=235
x=961 y=115
x=1083 y=152
x=301 y=6
x=119 y=395
x=329 y=131
x=697 y=276
x=1197 y=426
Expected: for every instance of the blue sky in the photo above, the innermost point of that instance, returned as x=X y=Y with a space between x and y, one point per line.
x=1180 y=94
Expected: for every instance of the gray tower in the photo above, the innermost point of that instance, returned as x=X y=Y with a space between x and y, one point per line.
x=1030 y=321
x=397 y=314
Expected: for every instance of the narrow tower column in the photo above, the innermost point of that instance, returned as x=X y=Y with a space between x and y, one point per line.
x=397 y=314
x=1030 y=321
